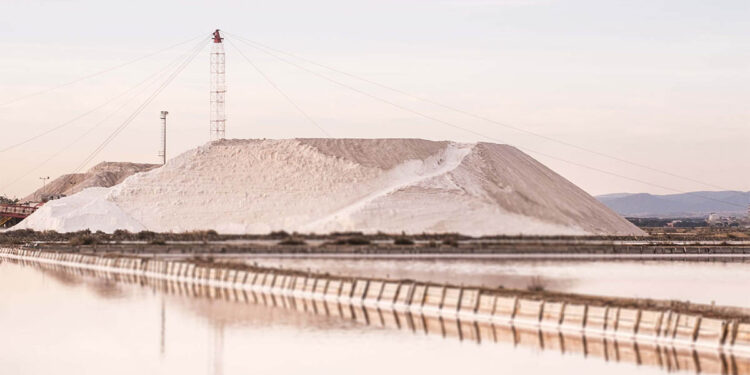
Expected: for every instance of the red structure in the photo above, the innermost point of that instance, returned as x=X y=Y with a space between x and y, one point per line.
x=13 y=213
x=217 y=36
x=20 y=211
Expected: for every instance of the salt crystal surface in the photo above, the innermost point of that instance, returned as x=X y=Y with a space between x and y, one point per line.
x=88 y=209
x=324 y=185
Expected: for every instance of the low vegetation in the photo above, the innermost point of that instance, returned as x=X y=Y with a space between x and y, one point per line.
x=450 y=242
x=83 y=239
x=6 y=200
x=403 y=241
x=358 y=240
x=652 y=222
x=537 y=284
x=661 y=241
x=291 y=241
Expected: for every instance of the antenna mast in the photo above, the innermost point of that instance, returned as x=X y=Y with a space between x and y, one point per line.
x=218 y=88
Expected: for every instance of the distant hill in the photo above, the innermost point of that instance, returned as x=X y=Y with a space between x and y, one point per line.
x=104 y=174
x=694 y=204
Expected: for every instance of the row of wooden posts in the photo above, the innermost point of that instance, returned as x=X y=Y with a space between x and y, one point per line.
x=429 y=299
x=663 y=356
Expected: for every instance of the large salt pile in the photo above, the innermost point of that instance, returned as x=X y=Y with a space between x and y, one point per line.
x=324 y=185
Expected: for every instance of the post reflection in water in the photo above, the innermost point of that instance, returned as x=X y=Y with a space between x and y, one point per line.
x=217 y=358
x=163 y=328
x=607 y=349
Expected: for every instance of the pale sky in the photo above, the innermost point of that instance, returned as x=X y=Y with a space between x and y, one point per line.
x=660 y=83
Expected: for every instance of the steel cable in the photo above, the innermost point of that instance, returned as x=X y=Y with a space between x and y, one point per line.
x=282 y=93
x=140 y=109
x=151 y=79
x=446 y=123
x=92 y=75
x=476 y=116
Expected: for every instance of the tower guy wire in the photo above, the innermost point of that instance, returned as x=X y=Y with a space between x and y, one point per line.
x=278 y=89
x=477 y=116
x=146 y=83
x=140 y=109
x=92 y=75
x=476 y=133
x=64 y=124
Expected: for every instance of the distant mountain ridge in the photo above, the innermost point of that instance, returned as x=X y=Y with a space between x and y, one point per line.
x=694 y=204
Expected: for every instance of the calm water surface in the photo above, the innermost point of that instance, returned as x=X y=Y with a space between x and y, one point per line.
x=62 y=323
x=725 y=283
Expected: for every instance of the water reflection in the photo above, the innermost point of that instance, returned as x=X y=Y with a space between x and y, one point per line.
x=224 y=308
x=163 y=328
x=218 y=345
x=722 y=282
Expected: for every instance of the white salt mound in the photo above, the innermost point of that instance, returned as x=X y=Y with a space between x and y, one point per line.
x=325 y=185
x=88 y=209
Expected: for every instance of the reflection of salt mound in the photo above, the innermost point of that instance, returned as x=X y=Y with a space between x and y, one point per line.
x=323 y=185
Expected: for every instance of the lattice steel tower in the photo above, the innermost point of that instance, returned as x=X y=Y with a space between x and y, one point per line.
x=218 y=88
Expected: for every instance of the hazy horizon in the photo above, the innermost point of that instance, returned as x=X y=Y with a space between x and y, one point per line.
x=658 y=83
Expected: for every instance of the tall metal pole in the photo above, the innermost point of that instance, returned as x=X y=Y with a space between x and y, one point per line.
x=218 y=88
x=163 y=152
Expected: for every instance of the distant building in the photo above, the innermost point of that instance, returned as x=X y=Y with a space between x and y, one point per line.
x=49 y=197
x=713 y=219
